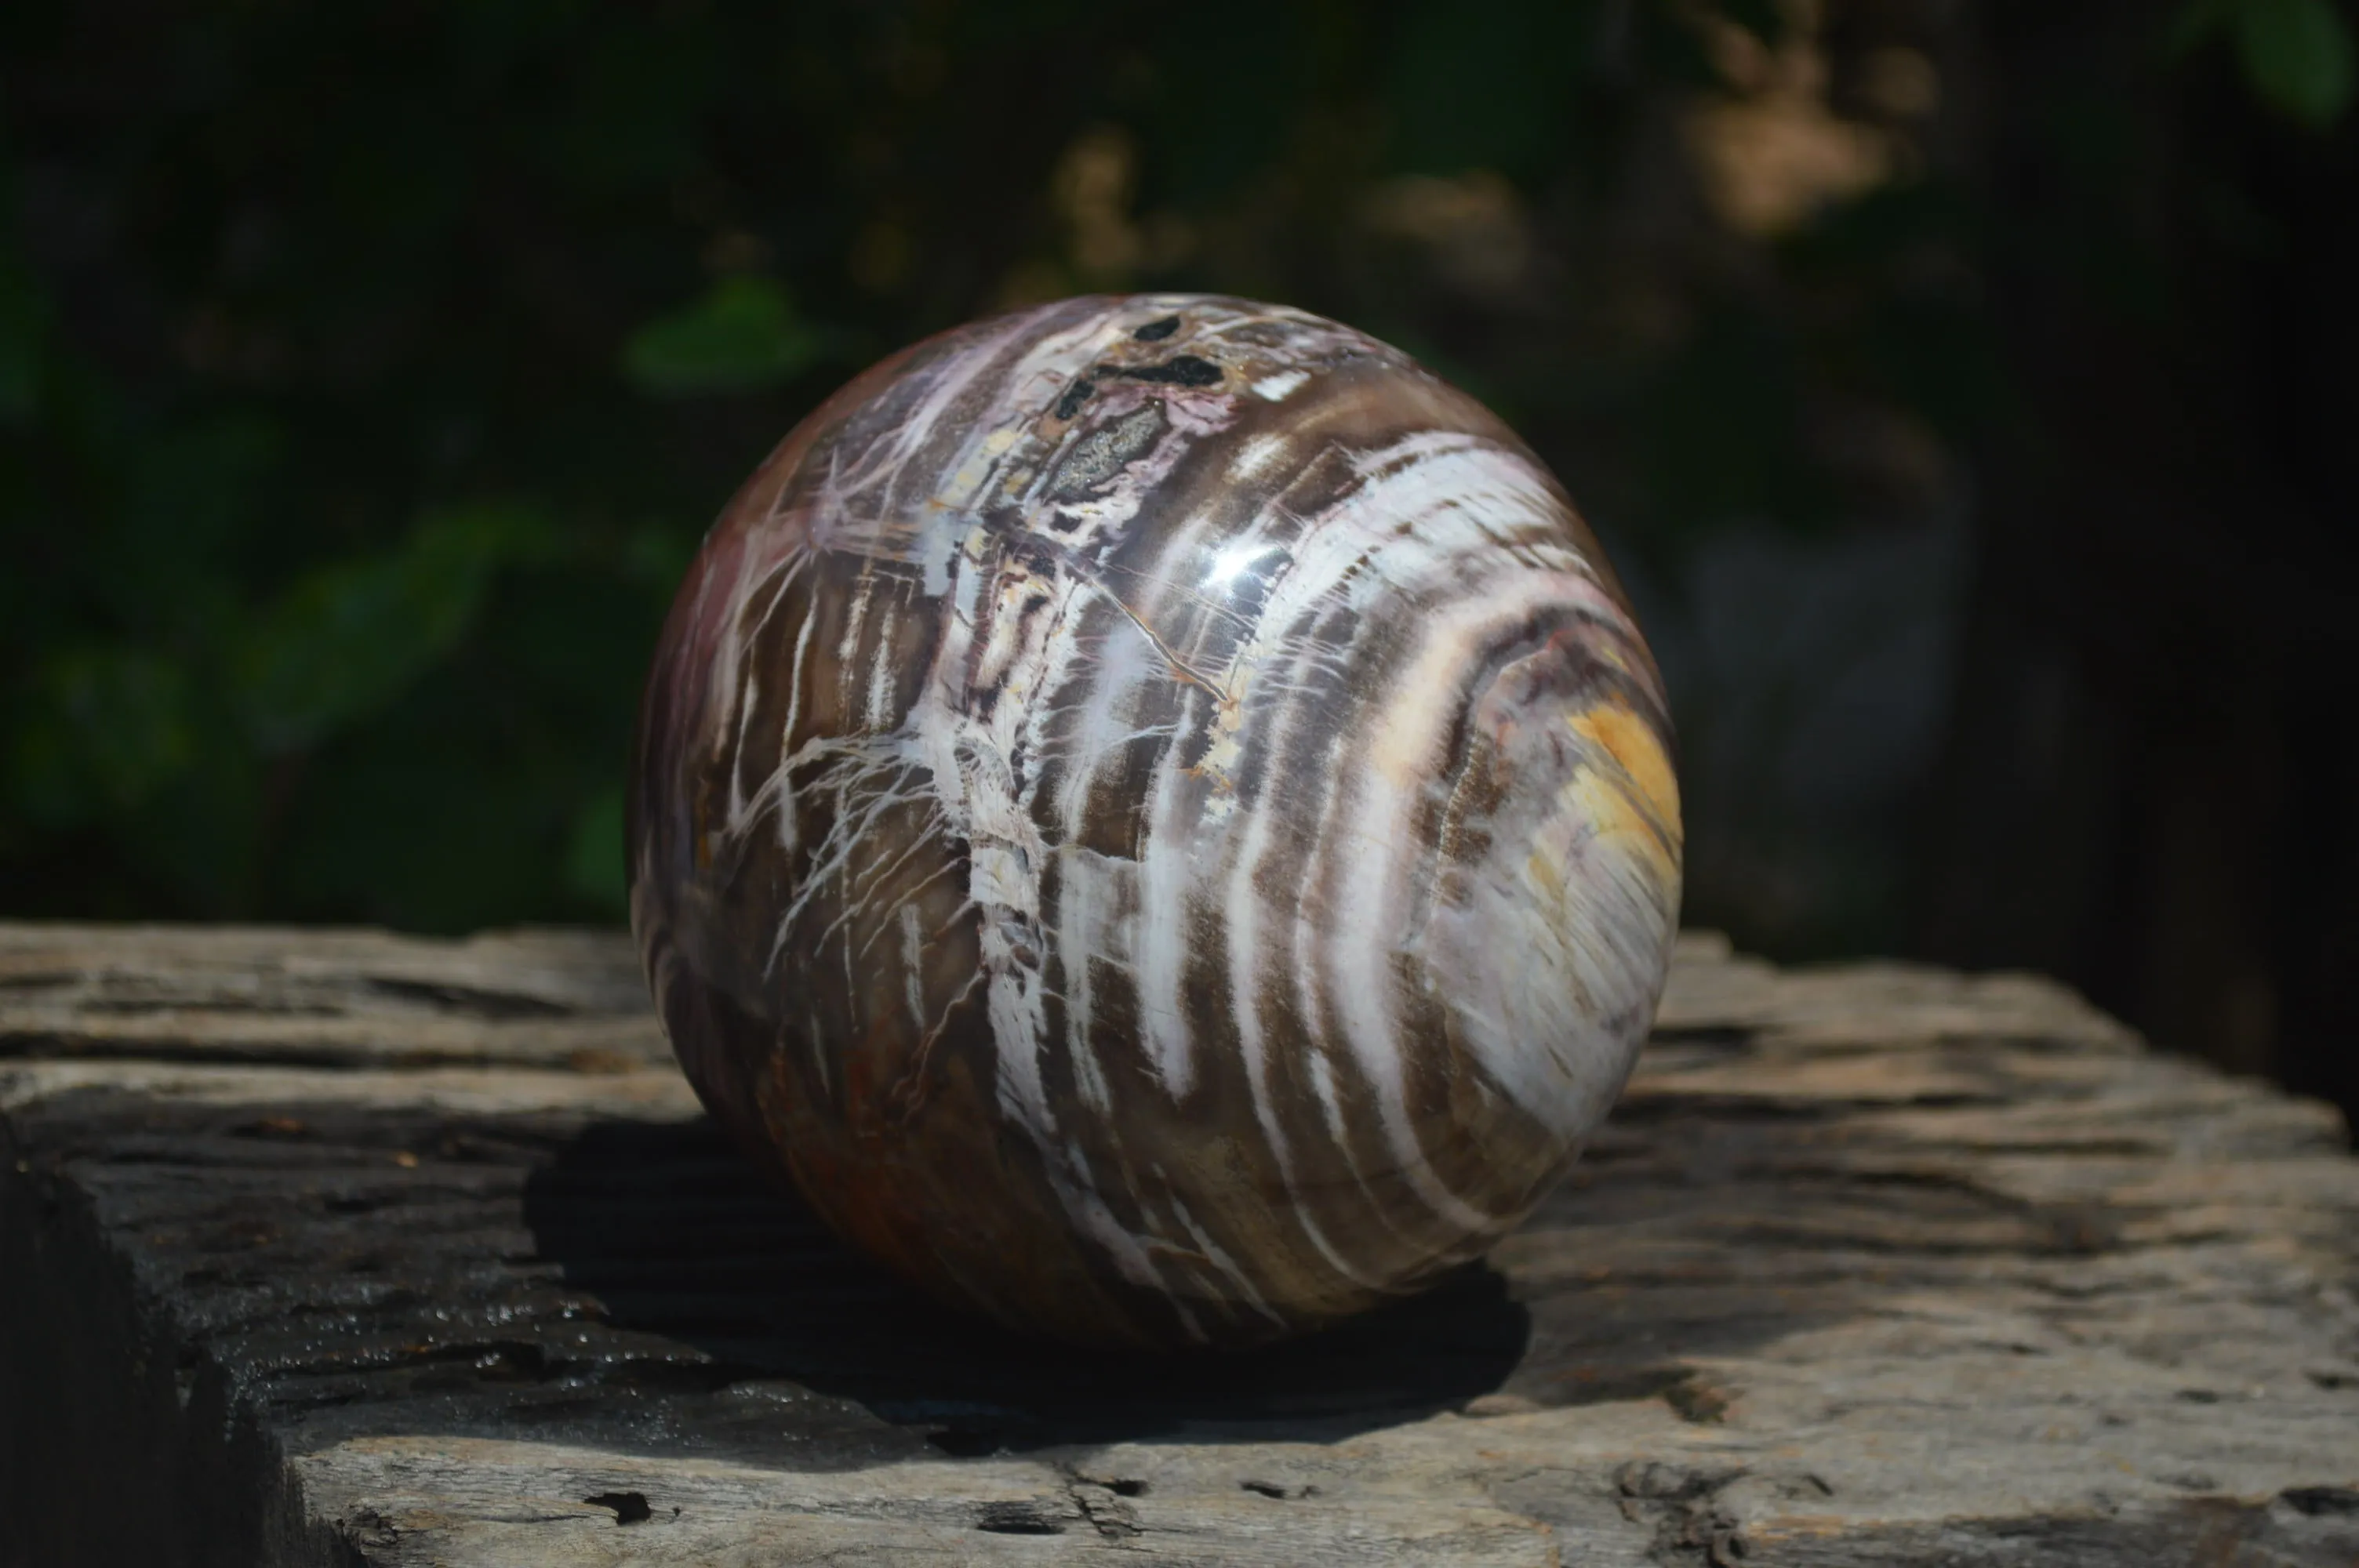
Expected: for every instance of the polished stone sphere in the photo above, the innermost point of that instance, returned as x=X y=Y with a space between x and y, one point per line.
x=1155 y=814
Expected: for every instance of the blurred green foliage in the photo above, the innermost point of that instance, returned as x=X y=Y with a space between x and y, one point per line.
x=743 y=336
x=2296 y=54
x=368 y=373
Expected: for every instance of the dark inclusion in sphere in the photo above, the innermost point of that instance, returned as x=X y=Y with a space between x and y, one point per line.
x=1155 y=814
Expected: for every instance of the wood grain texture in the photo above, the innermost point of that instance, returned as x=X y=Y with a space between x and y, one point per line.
x=1873 y=1265
x=345 y=999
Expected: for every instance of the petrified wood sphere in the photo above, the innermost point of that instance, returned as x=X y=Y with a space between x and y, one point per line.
x=1155 y=813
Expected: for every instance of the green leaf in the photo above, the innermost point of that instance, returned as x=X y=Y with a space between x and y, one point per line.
x=1475 y=87
x=743 y=336
x=2197 y=20
x=106 y=728
x=2296 y=58
x=593 y=864
x=23 y=322
x=348 y=638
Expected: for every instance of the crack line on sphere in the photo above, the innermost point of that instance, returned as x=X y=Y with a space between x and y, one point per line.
x=1180 y=668
x=838 y=846
x=907 y=1095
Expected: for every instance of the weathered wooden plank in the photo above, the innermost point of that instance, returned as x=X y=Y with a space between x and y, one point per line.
x=332 y=999
x=1877 y=1264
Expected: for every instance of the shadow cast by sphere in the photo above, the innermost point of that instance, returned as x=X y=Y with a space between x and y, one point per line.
x=677 y=1239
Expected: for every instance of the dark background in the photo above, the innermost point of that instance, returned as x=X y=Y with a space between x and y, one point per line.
x=1968 y=392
